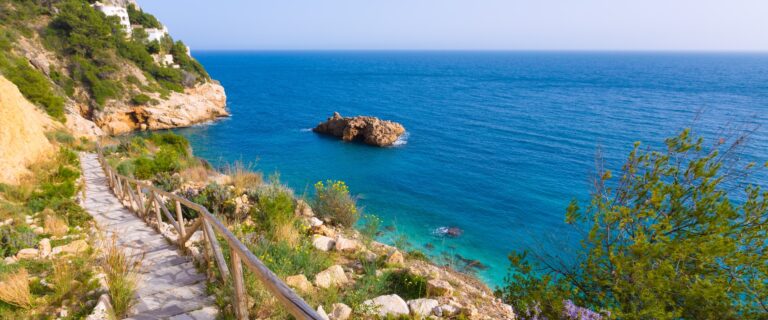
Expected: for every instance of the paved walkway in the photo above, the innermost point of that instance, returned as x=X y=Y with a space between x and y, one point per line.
x=170 y=287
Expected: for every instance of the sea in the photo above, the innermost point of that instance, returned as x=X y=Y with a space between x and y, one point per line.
x=497 y=143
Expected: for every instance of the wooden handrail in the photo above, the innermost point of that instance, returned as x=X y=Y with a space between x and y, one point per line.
x=211 y=227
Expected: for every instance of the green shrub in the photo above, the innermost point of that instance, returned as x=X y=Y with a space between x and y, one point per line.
x=167 y=160
x=216 y=198
x=175 y=141
x=138 y=16
x=286 y=260
x=140 y=99
x=33 y=85
x=60 y=136
x=14 y=239
x=144 y=168
x=167 y=181
x=275 y=210
x=126 y=168
x=333 y=201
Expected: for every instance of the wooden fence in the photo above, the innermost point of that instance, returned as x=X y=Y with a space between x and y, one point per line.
x=146 y=200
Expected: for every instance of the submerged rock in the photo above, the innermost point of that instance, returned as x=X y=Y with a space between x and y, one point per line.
x=370 y=130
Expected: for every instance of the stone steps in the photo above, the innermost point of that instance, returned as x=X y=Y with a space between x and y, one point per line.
x=170 y=287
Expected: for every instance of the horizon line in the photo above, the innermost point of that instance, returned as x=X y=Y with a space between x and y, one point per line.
x=492 y=50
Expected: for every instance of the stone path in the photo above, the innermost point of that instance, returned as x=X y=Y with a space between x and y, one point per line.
x=170 y=287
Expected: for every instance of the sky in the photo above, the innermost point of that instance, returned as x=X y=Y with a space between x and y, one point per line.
x=674 y=25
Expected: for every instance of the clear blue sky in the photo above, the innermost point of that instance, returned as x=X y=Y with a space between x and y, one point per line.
x=721 y=25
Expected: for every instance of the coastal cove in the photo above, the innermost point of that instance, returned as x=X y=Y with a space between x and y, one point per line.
x=497 y=143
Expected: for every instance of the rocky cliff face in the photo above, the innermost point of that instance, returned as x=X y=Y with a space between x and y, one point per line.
x=370 y=130
x=22 y=133
x=201 y=103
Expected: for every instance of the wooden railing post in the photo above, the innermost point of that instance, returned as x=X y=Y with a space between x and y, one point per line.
x=241 y=308
x=180 y=221
x=216 y=248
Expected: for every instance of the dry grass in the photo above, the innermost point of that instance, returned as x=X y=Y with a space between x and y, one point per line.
x=288 y=233
x=55 y=225
x=197 y=173
x=14 y=289
x=122 y=275
x=63 y=278
x=243 y=177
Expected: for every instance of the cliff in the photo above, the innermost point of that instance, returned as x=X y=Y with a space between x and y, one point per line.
x=101 y=73
x=22 y=133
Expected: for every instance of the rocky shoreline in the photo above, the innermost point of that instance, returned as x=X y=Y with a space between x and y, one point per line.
x=370 y=130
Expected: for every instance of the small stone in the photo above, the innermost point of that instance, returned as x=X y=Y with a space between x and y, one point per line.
x=446 y=310
x=63 y=313
x=38 y=230
x=299 y=282
x=27 y=253
x=340 y=311
x=303 y=209
x=315 y=222
x=388 y=305
x=396 y=259
x=422 y=307
x=324 y=230
x=323 y=243
x=73 y=247
x=321 y=312
x=10 y=260
x=44 y=247
x=346 y=245
x=437 y=287
x=370 y=256
x=333 y=276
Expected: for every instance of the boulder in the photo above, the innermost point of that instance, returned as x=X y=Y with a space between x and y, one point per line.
x=333 y=276
x=340 y=311
x=71 y=248
x=422 y=307
x=437 y=287
x=44 y=247
x=323 y=243
x=321 y=313
x=315 y=222
x=299 y=282
x=371 y=130
x=396 y=259
x=303 y=209
x=324 y=230
x=446 y=310
x=27 y=253
x=370 y=256
x=346 y=245
x=387 y=305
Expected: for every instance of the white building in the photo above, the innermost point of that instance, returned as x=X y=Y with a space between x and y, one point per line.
x=115 y=11
x=155 y=34
x=163 y=59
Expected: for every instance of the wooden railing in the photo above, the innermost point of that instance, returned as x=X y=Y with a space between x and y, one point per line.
x=147 y=200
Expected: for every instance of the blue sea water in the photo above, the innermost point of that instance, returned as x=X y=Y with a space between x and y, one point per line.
x=498 y=142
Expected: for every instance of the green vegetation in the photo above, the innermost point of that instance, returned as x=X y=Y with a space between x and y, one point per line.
x=40 y=286
x=93 y=50
x=156 y=157
x=333 y=201
x=671 y=239
x=138 y=16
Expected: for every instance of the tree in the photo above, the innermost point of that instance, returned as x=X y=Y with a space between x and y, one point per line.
x=672 y=238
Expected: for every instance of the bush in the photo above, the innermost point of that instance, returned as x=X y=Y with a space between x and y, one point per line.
x=144 y=168
x=167 y=182
x=140 y=99
x=275 y=212
x=172 y=140
x=126 y=168
x=138 y=16
x=15 y=290
x=121 y=271
x=216 y=198
x=33 y=85
x=666 y=241
x=333 y=202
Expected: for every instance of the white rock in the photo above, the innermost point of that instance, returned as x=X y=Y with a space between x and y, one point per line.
x=388 y=305
x=370 y=256
x=73 y=247
x=346 y=245
x=396 y=259
x=299 y=282
x=10 y=260
x=38 y=230
x=333 y=276
x=45 y=247
x=422 y=307
x=437 y=287
x=322 y=313
x=315 y=222
x=323 y=243
x=27 y=253
x=446 y=310
x=340 y=311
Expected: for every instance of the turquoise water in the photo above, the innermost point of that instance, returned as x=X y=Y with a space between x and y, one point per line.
x=498 y=142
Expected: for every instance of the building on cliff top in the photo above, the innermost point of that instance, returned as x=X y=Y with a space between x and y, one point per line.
x=115 y=11
x=155 y=34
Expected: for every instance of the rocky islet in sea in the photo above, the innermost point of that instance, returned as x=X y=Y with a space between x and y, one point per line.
x=370 y=130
